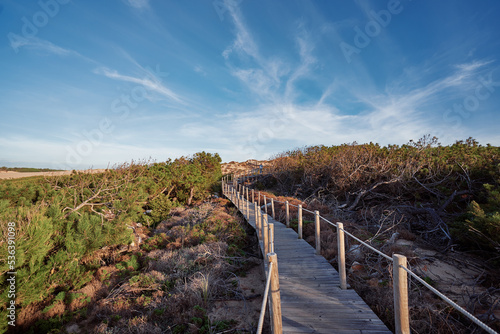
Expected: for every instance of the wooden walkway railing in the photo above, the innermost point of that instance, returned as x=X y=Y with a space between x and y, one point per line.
x=321 y=302
x=311 y=300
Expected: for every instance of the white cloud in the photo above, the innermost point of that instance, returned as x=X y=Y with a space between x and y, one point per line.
x=200 y=70
x=407 y=109
x=152 y=83
x=39 y=44
x=474 y=65
x=140 y=4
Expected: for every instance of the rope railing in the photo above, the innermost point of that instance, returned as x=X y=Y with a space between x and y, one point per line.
x=359 y=240
x=399 y=266
x=451 y=302
x=264 y=300
x=265 y=231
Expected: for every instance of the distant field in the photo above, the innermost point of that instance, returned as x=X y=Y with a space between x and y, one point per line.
x=17 y=174
x=27 y=169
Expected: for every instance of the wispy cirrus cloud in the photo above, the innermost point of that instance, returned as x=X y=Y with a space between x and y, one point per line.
x=42 y=45
x=36 y=43
x=140 y=4
x=409 y=106
x=199 y=69
x=419 y=110
x=45 y=47
x=150 y=82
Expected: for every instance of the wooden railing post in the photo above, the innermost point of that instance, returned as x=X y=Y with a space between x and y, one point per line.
x=300 y=222
x=259 y=199
x=247 y=206
x=265 y=234
x=400 y=277
x=256 y=217
x=243 y=202
x=265 y=204
x=271 y=238
x=253 y=198
x=276 y=320
x=259 y=224
x=247 y=194
x=341 y=256
x=318 y=232
x=287 y=209
x=272 y=208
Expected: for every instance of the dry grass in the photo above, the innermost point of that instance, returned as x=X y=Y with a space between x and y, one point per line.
x=180 y=280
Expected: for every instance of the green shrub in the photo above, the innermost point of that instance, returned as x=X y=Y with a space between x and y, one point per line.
x=480 y=227
x=63 y=222
x=161 y=207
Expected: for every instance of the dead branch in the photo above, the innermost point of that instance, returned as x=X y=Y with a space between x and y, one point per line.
x=363 y=193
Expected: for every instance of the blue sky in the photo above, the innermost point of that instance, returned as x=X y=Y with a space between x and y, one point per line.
x=87 y=83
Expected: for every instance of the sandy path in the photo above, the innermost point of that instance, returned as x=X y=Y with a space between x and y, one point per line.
x=17 y=175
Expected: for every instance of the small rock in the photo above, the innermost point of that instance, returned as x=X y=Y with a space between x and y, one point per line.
x=403 y=242
x=356 y=267
x=73 y=329
x=356 y=252
x=393 y=238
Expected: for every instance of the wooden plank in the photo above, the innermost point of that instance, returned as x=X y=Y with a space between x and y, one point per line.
x=336 y=325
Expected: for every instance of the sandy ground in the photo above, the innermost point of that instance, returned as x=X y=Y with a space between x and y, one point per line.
x=17 y=175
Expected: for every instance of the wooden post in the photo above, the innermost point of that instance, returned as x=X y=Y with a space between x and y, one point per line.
x=287 y=209
x=253 y=193
x=259 y=199
x=276 y=321
x=247 y=194
x=400 y=277
x=256 y=217
x=259 y=225
x=271 y=238
x=318 y=232
x=272 y=208
x=265 y=234
x=341 y=255
x=300 y=221
x=265 y=204
x=248 y=209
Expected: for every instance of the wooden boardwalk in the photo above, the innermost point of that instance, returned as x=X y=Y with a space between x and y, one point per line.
x=311 y=298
